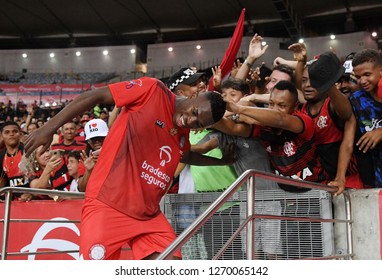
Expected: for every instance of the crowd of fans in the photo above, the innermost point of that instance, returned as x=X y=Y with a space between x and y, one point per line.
x=310 y=119
x=54 y=168
x=261 y=81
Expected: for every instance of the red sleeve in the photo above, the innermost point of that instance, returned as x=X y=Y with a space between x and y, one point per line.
x=308 y=130
x=81 y=169
x=132 y=93
x=184 y=140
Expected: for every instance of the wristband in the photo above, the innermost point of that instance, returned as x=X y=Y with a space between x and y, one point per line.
x=250 y=65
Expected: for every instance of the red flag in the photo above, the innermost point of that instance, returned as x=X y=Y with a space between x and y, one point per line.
x=380 y=88
x=232 y=50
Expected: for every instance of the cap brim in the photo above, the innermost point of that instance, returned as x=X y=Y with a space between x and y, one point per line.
x=98 y=135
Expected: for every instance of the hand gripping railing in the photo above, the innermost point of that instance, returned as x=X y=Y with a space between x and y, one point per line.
x=8 y=191
x=249 y=176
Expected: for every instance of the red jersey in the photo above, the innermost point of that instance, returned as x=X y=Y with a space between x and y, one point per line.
x=80 y=137
x=10 y=168
x=59 y=178
x=141 y=151
x=328 y=138
x=294 y=155
x=325 y=128
x=75 y=146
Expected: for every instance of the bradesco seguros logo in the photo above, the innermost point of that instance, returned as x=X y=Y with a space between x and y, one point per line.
x=165 y=155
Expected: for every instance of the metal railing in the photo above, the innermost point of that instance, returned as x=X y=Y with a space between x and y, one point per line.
x=9 y=191
x=249 y=223
x=248 y=177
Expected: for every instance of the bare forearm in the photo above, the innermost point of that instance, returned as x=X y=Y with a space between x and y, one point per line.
x=340 y=103
x=83 y=181
x=346 y=148
x=113 y=116
x=298 y=74
x=247 y=120
x=263 y=116
x=259 y=98
x=201 y=149
x=42 y=182
x=231 y=128
x=344 y=158
x=245 y=68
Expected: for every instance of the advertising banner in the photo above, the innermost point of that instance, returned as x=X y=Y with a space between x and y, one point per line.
x=56 y=229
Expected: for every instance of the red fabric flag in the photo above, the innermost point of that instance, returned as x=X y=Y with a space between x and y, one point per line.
x=232 y=50
x=380 y=88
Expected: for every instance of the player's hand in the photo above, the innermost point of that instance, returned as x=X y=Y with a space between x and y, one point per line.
x=42 y=136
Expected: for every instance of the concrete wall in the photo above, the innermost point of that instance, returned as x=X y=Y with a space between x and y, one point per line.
x=367 y=215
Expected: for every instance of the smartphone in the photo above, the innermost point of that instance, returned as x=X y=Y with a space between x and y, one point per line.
x=96 y=153
x=57 y=152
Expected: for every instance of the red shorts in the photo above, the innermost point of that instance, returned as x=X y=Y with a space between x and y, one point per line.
x=105 y=230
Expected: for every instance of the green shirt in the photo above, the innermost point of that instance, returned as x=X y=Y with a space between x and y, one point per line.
x=211 y=178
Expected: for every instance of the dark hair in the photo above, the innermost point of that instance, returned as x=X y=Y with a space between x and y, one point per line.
x=72 y=122
x=285 y=69
x=75 y=154
x=286 y=85
x=7 y=123
x=236 y=84
x=367 y=55
x=350 y=56
x=265 y=71
x=217 y=104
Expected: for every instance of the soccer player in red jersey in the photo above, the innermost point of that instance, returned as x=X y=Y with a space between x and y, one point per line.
x=136 y=164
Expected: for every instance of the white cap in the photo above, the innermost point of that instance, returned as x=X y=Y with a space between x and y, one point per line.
x=348 y=67
x=96 y=128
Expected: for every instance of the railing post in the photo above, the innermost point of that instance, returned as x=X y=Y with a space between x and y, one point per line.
x=7 y=214
x=349 y=225
x=251 y=222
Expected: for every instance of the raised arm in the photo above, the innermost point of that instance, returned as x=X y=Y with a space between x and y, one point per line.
x=340 y=103
x=255 y=51
x=29 y=117
x=113 y=115
x=300 y=57
x=43 y=182
x=279 y=60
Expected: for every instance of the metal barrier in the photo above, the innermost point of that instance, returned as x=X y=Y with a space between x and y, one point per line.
x=9 y=191
x=249 y=223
